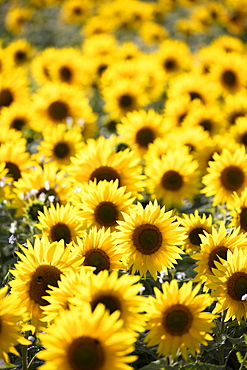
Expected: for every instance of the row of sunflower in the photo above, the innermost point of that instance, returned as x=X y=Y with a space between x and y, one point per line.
x=123 y=184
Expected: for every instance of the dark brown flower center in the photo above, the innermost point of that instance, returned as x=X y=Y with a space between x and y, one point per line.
x=194 y=235
x=43 y=276
x=172 y=180
x=97 y=258
x=6 y=97
x=13 y=170
x=86 y=353
x=105 y=173
x=145 y=136
x=20 y=57
x=111 y=302
x=61 y=150
x=18 y=123
x=126 y=101
x=147 y=238
x=58 y=110
x=220 y=251
x=237 y=285
x=170 y=65
x=229 y=78
x=243 y=218
x=244 y=138
x=65 y=74
x=232 y=178
x=177 y=320
x=60 y=231
x=195 y=95
x=206 y=124
x=33 y=210
x=106 y=214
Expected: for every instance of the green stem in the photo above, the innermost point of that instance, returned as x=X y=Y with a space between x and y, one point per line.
x=243 y=363
x=221 y=331
x=24 y=357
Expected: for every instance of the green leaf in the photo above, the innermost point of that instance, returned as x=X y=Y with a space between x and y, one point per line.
x=4 y=365
x=239 y=357
x=203 y=366
x=160 y=364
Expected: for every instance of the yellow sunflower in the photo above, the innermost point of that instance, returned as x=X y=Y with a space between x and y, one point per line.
x=214 y=246
x=235 y=106
x=124 y=96
x=173 y=178
x=194 y=226
x=59 y=144
x=116 y=294
x=140 y=128
x=11 y=319
x=17 y=159
x=238 y=211
x=93 y=339
x=17 y=19
x=18 y=116
x=39 y=266
x=226 y=173
x=100 y=250
x=102 y=204
x=13 y=88
x=19 y=53
x=98 y=160
x=55 y=102
x=40 y=65
x=149 y=237
x=178 y=320
x=61 y=222
x=10 y=135
x=75 y=11
x=229 y=285
x=238 y=131
x=59 y=296
x=230 y=73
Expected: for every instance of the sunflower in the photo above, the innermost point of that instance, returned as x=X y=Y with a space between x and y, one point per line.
x=40 y=265
x=17 y=19
x=40 y=65
x=173 y=178
x=174 y=57
x=238 y=211
x=98 y=160
x=229 y=285
x=97 y=25
x=116 y=294
x=228 y=44
x=18 y=116
x=11 y=319
x=215 y=246
x=103 y=203
x=176 y=110
x=153 y=33
x=10 y=135
x=69 y=67
x=177 y=323
x=17 y=159
x=230 y=73
x=239 y=131
x=59 y=296
x=61 y=222
x=235 y=106
x=226 y=173
x=193 y=86
x=13 y=88
x=55 y=102
x=75 y=11
x=19 y=53
x=149 y=236
x=140 y=128
x=59 y=144
x=194 y=226
x=82 y=339
x=100 y=250
x=123 y=96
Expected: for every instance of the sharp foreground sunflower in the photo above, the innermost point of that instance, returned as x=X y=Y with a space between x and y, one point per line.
x=86 y=340
x=149 y=236
x=227 y=173
x=117 y=294
x=177 y=323
x=40 y=265
x=229 y=285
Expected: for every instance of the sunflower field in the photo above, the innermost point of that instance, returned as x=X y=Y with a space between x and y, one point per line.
x=123 y=184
